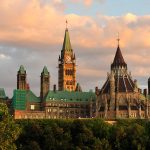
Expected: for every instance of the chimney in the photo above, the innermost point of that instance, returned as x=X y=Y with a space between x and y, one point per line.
x=145 y=92
x=54 y=88
x=27 y=86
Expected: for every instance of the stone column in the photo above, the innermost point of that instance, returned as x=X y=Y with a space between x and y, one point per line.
x=112 y=87
x=58 y=112
x=106 y=107
x=146 y=109
x=139 y=110
x=129 y=109
x=91 y=108
x=116 y=106
x=97 y=105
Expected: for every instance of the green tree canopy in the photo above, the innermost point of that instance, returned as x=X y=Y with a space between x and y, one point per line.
x=9 y=131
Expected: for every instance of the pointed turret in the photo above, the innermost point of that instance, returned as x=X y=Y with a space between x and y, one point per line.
x=67 y=44
x=45 y=71
x=21 y=70
x=45 y=82
x=78 y=88
x=67 y=65
x=118 y=60
x=21 y=78
x=66 y=48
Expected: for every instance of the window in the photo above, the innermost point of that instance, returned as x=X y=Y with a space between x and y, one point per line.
x=46 y=79
x=32 y=107
x=22 y=78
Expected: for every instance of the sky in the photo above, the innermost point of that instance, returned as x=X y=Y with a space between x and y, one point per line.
x=32 y=32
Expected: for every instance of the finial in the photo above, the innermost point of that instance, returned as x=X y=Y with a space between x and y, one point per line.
x=118 y=39
x=66 y=24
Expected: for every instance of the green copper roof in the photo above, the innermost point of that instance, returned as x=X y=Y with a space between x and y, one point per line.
x=45 y=71
x=22 y=70
x=31 y=97
x=67 y=44
x=2 y=93
x=21 y=97
x=70 y=96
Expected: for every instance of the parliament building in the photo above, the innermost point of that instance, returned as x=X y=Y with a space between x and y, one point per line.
x=119 y=97
x=69 y=101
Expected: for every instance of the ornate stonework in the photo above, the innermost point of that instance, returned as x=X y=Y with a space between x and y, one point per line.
x=120 y=96
x=67 y=66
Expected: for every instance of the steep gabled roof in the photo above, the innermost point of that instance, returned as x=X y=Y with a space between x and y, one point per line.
x=45 y=71
x=78 y=88
x=21 y=97
x=22 y=70
x=67 y=43
x=118 y=59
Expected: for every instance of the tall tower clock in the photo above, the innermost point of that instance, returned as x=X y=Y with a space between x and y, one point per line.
x=67 y=66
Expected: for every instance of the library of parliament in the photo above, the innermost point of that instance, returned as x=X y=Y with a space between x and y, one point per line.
x=119 y=97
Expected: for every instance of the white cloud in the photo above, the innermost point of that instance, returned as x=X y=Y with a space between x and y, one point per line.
x=130 y=18
x=3 y=56
x=32 y=34
x=88 y=2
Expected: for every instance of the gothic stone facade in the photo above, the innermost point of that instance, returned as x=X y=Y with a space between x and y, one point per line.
x=67 y=102
x=120 y=96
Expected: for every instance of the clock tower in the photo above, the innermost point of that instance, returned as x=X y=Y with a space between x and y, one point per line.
x=67 y=66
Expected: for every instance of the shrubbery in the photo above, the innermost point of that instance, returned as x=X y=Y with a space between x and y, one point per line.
x=83 y=134
x=72 y=134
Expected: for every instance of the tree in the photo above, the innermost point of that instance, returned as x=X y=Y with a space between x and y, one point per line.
x=9 y=131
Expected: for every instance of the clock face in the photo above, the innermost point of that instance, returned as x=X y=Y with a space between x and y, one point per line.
x=68 y=58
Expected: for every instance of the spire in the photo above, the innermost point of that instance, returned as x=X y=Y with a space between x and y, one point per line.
x=66 y=24
x=67 y=44
x=78 y=88
x=118 y=60
x=45 y=71
x=22 y=70
x=118 y=39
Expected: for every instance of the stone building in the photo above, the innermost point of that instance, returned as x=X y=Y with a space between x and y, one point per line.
x=120 y=97
x=67 y=102
x=67 y=66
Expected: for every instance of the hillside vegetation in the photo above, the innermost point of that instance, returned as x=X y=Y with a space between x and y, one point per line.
x=72 y=134
x=83 y=134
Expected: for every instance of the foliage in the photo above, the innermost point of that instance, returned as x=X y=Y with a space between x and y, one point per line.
x=84 y=134
x=72 y=134
x=9 y=131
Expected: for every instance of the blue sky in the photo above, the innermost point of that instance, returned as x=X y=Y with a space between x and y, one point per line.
x=109 y=7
